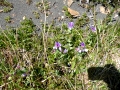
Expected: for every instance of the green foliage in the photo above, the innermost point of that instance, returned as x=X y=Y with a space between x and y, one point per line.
x=36 y=14
x=67 y=14
x=8 y=19
x=82 y=21
x=25 y=34
x=5 y=3
x=58 y=70
x=7 y=9
x=30 y=61
x=21 y=36
x=41 y=6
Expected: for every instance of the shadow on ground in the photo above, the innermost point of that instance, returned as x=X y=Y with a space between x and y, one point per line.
x=109 y=74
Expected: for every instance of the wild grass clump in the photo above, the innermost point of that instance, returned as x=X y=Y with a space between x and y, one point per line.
x=69 y=52
x=6 y=5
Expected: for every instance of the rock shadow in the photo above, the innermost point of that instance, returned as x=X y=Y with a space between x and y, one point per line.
x=109 y=74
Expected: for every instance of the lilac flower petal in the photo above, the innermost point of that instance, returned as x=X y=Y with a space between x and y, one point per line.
x=93 y=28
x=77 y=49
x=54 y=48
x=57 y=44
x=82 y=44
x=65 y=51
x=60 y=49
x=70 y=25
x=80 y=51
x=85 y=50
x=24 y=75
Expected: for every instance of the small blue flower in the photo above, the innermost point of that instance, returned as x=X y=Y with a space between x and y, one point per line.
x=70 y=25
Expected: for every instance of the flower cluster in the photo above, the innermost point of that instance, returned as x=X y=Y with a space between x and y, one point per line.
x=71 y=25
x=57 y=46
x=81 y=48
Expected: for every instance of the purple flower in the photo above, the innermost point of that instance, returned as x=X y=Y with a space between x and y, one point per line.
x=24 y=75
x=65 y=51
x=57 y=45
x=81 y=48
x=82 y=44
x=70 y=25
x=93 y=28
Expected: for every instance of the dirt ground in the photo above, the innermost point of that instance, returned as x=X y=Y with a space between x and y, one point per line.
x=21 y=8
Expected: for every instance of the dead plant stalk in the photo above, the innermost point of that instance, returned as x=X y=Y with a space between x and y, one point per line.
x=43 y=33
